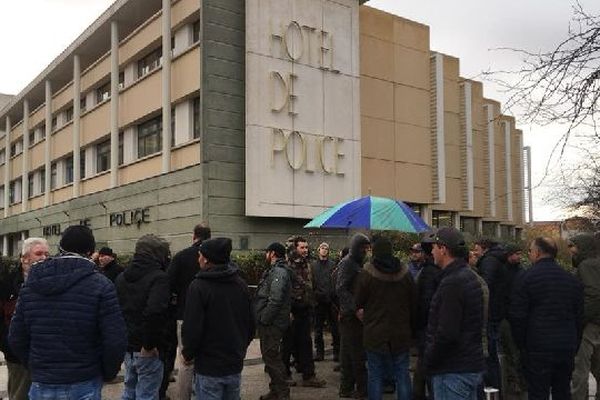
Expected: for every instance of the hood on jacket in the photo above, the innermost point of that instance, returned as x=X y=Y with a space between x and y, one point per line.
x=356 y=243
x=497 y=252
x=56 y=275
x=586 y=248
x=387 y=265
x=151 y=253
x=383 y=255
x=221 y=272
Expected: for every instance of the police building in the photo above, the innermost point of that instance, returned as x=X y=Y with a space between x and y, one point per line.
x=253 y=116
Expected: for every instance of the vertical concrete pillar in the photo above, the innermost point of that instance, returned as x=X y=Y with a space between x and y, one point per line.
x=527 y=150
x=166 y=86
x=469 y=175
x=491 y=158
x=508 y=169
x=25 y=168
x=114 y=104
x=47 y=141
x=5 y=245
x=426 y=213
x=76 y=124
x=7 y=169
x=439 y=129
x=456 y=220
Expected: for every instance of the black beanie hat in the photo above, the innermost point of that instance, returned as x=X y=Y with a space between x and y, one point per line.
x=78 y=239
x=216 y=250
x=382 y=247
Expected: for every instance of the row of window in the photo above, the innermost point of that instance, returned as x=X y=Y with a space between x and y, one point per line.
x=145 y=65
x=149 y=141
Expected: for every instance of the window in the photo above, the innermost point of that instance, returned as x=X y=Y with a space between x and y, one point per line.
x=2 y=156
x=69 y=115
x=172 y=44
x=31 y=138
x=441 y=218
x=103 y=156
x=14 y=194
x=82 y=164
x=505 y=232
x=54 y=123
x=173 y=127
x=69 y=170
x=53 y=175
x=43 y=180
x=121 y=80
x=196 y=31
x=103 y=93
x=196 y=117
x=30 y=180
x=121 y=148
x=1 y=196
x=149 y=137
x=150 y=62
x=42 y=131
x=489 y=229
x=469 y=225
x=16 y=148
x=82 y=104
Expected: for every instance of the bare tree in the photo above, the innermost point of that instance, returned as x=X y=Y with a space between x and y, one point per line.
x=562 y=86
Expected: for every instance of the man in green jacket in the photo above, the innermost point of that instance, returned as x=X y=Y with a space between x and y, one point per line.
x=586 y=260
x=273 y=307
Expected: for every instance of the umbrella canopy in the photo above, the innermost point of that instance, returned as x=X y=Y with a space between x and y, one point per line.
x=370 y=212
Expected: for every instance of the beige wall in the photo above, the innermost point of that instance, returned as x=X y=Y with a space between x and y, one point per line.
x=394 y=63
x=397 y=110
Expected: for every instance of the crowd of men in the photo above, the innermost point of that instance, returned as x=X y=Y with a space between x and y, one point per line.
x=474 y=319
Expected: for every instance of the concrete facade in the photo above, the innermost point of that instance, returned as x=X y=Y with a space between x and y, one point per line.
x=419 y=132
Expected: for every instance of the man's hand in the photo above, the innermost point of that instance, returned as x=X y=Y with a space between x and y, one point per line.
x=149 y=353
x=360 y=314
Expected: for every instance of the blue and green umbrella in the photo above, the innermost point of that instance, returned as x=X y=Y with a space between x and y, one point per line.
x=370 y=212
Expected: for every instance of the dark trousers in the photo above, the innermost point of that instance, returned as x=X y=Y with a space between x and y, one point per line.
x=422 y=388
x=352 y=356
x=549 y=373
x=324 y=313
x=168 y=354
x=297 y=340
x=492 y=376
x=270 y=348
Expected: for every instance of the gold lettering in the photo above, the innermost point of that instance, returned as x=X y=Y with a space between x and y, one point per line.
x=339 y=155
x=295 y=162
x=293 y=50
x=322 y=144
x=278 y=142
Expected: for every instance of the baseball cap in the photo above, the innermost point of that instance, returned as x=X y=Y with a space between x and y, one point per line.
x=448 y=236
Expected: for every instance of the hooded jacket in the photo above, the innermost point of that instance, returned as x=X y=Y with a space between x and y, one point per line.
x=112 y=270
x=347 y=272
x=273 y=296
x=321 y=277
x=144 y=294
x=218 y=348
x=491 y=267
x=587 y=263
x=182 y=271
x=387 y=293
x=68 y=327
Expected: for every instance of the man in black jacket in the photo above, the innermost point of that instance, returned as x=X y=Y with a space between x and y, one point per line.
x=272 y=307
x=492 y=268
x=321 y=271
x=454 y=343
x=19 y=380
x=68 y=329
x=143 y=291
x=426 y=286
x=353 y=382
x=546 y=317
x=182 y=271
x=217 y=350
x=107 y=260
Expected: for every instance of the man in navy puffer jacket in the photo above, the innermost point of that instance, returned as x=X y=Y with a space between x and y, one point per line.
x=68 y=329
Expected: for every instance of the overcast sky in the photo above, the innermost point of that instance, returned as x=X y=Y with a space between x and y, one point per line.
x=34 y=32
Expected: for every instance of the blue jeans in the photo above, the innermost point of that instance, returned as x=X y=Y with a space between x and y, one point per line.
x=463 y=386
x=86 y=390
x=381 y=366
x=218 y=387
x=143 y=376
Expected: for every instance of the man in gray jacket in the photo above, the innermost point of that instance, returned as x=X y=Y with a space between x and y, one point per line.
x=273 y=307
x=586 y=259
